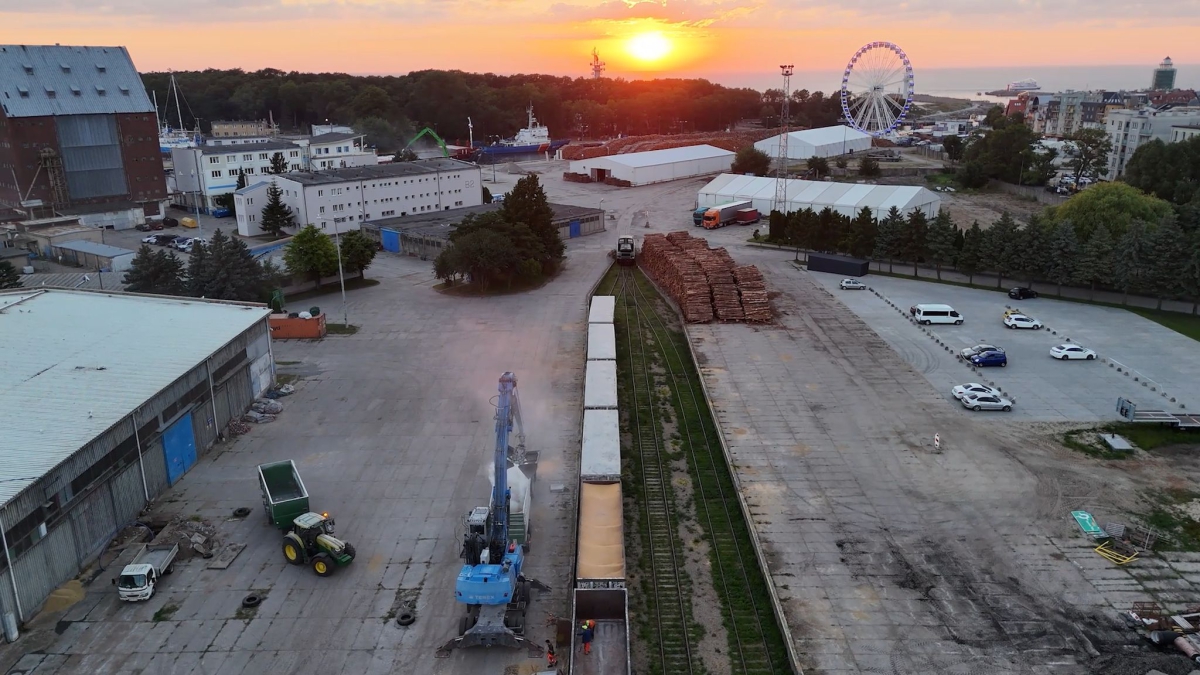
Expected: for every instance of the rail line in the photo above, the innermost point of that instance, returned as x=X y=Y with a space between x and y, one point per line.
x=670 y=610
x=756 y=647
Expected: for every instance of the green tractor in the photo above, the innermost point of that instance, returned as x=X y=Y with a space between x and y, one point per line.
x=310 y=541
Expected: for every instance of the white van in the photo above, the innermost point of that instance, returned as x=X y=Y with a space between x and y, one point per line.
x=928 y=314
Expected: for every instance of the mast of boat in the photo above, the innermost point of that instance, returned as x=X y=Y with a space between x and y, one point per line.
x=157 y=119
x=178 y=109
x=530 y=111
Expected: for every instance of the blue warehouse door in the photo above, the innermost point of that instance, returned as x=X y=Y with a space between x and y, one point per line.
x=574 y=228
x=179 y=446
x=390 y=240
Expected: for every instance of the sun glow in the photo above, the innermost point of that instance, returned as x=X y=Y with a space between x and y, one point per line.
x=649 y=47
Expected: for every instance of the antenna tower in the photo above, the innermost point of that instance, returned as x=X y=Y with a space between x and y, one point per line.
x=781 y=161
x=597 y=65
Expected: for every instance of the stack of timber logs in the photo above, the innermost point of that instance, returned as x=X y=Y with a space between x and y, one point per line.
x=704 y=282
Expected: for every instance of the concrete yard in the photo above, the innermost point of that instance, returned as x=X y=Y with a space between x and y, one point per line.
x=392 y=431
x=889 y=557
x=1044 y=389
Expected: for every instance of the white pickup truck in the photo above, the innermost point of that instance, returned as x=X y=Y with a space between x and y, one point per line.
x=138 y=579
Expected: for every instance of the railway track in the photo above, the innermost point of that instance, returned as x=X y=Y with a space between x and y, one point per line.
x=755 y=644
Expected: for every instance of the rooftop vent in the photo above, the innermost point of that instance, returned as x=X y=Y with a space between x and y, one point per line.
x=100 y=90
x=125 y=91
x=75 y=91
x=51 y=93
x=66 y=68
x=28 y=67
x=101 y=67
x=22 y=91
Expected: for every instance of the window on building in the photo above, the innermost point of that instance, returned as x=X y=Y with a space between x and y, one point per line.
x=230 y=158
x=247 y=158
x=216 y=174
x=233 y=172
x=214 y=160
x=322 y=210
x=263 y=155
x=248 y=170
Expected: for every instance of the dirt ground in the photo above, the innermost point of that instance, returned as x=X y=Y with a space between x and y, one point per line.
x=987 y=207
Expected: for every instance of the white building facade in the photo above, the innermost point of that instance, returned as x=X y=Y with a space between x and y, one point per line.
x=339 y=200
x=339 y=151
x=1129 y=129
x=656 y=166
x=822 y=142
x=212 y=170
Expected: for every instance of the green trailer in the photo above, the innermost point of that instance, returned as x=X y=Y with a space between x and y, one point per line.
x=283 y=493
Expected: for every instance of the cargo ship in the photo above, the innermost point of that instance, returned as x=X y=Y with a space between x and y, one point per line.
x=1023 y=85
x=533 y=139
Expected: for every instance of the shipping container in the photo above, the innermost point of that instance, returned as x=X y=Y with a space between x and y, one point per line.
x=600 y=460
x=837 y=264
x=602 y=342
x=603 y=307
x=608 y=607
x=600 y=386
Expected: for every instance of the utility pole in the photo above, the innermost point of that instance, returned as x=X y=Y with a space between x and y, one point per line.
x=779 y=203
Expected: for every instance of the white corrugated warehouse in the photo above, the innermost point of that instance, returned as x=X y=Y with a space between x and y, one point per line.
x=600 y=385
x=656 y=166
x=844 y=198
x=600 y=461
x=602 y=309
x=823 y=142
x=602 y=342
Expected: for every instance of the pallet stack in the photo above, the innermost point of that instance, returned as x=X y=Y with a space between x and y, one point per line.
x=753 y=291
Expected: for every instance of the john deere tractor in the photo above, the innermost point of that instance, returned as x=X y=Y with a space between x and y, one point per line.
x=310 y=541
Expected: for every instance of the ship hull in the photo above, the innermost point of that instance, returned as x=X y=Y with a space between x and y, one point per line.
x=495 y=150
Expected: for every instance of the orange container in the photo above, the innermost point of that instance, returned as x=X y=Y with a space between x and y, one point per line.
x=284 y=328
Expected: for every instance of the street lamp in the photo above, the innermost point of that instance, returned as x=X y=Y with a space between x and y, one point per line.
x=337 y=241
x=601 y=212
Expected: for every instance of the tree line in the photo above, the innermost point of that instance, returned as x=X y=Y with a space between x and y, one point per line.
x=1160 y=259
x=390 y=107
x=223 y=268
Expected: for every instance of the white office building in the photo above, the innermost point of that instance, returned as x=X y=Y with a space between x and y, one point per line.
x=339 y=200
x=212 y=170
x=1129 y=129
x=339 y=151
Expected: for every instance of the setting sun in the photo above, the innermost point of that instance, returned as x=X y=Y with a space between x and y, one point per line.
x=649 y=46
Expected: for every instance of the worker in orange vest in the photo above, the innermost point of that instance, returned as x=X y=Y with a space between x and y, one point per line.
x=551 y=657
x=588 y=630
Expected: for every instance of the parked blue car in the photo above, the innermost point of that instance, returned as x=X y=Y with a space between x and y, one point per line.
x=990 y=358
x=221 y=213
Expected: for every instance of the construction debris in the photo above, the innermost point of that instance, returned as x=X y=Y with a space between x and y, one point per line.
x=705 y=282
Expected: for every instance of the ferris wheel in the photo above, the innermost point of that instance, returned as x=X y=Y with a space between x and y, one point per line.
x=877 y=88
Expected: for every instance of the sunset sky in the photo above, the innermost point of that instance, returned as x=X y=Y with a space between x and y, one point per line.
x=738 y=42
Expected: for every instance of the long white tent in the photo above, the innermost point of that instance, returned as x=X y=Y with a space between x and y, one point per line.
x=844 y=198
x=823 y=142
x=656 y=166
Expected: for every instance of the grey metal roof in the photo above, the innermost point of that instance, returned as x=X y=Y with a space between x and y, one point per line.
x=94 y=281
x=72 y=385
x=102 y=250
x=40 y=80
x=332 y=138
x=247 y=147
x=440 y=222
x=357 y=173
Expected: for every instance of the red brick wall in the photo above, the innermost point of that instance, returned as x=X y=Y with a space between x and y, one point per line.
x=22 y=139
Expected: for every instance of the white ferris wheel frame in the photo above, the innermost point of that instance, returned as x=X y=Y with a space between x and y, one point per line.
x=872 y=108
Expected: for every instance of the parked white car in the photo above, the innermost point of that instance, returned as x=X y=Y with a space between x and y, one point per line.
x=987 y=402
x=979 y=349
x=852 y=285
x=972 y=389
x=1022 y=321
x=1069 y=351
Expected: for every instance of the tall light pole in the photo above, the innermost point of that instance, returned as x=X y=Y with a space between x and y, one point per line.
x=779 y=203
x=337 y=241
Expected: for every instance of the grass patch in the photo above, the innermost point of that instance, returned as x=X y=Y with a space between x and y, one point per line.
x=1151 y=436
x=286 y=363
x=1181 y=530
x=166 y=612
x=340 y=329
x=351 y=285
x=1184 y=324
x=474 y=291
x=1080 y=440
x=245 y=613
x=286 y=378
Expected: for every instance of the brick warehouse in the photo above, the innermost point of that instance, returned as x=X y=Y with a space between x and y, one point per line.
x=79 y=136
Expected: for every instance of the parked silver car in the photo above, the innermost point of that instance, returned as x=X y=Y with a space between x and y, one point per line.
x=979 y=349
x=973 y=389
x=987 y=402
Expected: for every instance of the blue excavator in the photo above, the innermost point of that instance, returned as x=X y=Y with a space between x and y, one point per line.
x=491 y=584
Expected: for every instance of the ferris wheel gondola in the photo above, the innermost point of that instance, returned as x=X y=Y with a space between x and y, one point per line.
x=877 y=88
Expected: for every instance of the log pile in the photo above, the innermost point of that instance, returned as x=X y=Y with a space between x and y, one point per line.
x=753 y=291
x=704 y=282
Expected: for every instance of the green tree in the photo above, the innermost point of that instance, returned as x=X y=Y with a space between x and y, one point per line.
x=972 y=175
x=1063 y=256
x=487 y=196
x=915 y=238
x=1191 y=271
x=200 y=271
x=9 y=277
x=371 y=101
x=818 y=165
x=241 y=181
x=1001 y=248
x=995 y=118
x=1170 y=171
x=1132 y=260
x=868 y=166
x=751 y=161
x=841 y=162
x=279 y=164
x=483 y=256
x=311 y=254
x=231 y=271
x=357 y=251
x=526 y=204
x=1091 y=149
x=943 y=234
x=1114 y=204
x=276 y=216
x=160 y=273
x=954 y=147
x=889 y=236
x=862 y=234
x=1096 y=260
x=971 y=256
x=1168 y=251
x=1032 y=248
x=381 y=133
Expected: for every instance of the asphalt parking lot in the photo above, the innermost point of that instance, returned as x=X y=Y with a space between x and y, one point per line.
x=1044 y=389
x=392 y=431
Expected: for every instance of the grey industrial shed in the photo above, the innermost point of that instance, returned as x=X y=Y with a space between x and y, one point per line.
x=112 y=398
